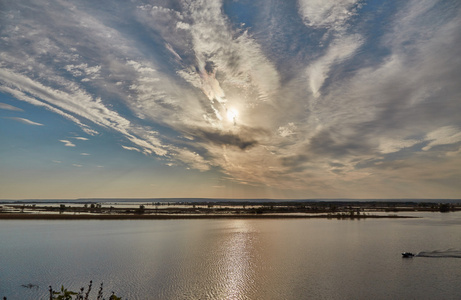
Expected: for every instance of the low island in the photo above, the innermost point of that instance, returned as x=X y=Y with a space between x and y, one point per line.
x=113 y=209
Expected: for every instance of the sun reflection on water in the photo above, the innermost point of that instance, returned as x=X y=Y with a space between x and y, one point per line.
x=237 y=262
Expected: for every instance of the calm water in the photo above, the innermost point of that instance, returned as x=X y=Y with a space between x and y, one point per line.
x=235 y=259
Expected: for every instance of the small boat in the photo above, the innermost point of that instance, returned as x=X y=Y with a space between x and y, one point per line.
x=407 y=254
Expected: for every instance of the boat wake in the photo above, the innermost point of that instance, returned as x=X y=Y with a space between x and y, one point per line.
x=441 y=253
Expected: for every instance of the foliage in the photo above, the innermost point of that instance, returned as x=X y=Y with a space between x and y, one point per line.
x=65 y=294
x=444 y=207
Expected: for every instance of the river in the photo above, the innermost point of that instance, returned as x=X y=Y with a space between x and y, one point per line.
x=235 y=258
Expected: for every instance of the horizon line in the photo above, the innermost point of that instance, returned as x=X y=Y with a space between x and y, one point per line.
x=228 y=199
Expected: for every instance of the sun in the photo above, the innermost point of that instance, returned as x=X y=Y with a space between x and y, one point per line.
x=232 y=114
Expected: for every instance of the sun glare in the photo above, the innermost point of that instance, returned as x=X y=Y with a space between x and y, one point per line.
x=232 y=114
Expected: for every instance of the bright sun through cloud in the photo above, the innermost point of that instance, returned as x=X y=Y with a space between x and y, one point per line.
x=232 y=114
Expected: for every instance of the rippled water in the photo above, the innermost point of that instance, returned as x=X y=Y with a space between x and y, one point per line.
x=235 y=259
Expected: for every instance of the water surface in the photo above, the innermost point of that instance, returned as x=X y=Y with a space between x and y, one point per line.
x=235 y=258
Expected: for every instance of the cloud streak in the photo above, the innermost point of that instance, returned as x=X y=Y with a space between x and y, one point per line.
x=24 y=121
x=67 y=143
x=327 y=13
x=9 y=107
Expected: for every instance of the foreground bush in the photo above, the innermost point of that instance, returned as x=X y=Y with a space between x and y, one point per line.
x=65 y=294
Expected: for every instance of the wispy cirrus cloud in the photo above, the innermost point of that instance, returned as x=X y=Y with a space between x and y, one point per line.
x=67 y=143
x=156 y=94
x=320 y=98
x=331 y=14
x=447 y=135
x=24 y=121
x=9 y=107
x=131 y=148
x=338 y=51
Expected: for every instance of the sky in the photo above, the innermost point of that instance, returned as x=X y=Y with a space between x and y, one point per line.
x=230 y=99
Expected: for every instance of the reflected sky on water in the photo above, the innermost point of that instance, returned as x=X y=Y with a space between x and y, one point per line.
x=234 y=259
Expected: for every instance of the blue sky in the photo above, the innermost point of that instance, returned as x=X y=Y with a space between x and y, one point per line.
x=231 y=99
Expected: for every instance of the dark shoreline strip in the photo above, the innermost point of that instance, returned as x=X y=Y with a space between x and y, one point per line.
x=25 y=216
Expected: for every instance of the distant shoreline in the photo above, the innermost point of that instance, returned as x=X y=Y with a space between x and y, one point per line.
x=216 y=210
x=32 y=216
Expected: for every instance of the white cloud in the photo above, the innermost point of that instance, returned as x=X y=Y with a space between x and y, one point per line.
x=74 y=103
x=340 y=50
x=67 y=143
x=326 y=13
x=443 y=136
x=131 y=148
x=151 y=94
x=22 y=96
x=59 y=94
x=9 y=107
x=287 y=130
x=223 y=61
x=192 y=159
x=168 y=46
x=83 y=69
x=388 y=145
x=85 y=154
x=24 y=121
